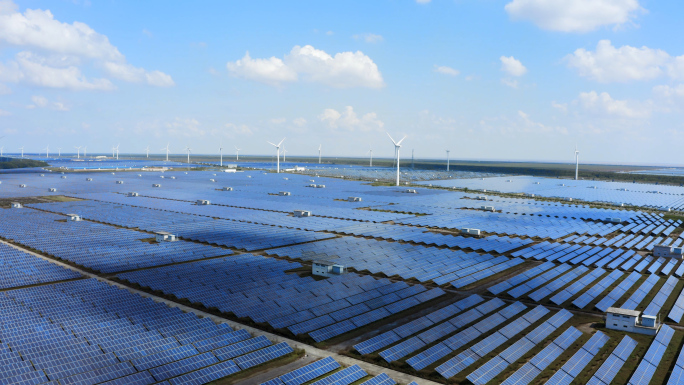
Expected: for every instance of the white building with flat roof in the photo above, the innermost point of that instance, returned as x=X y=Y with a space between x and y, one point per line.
x=631 y=321
x=327 y=269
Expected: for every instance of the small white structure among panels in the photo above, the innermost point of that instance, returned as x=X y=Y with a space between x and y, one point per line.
x=302 y=213
x=327 y=269
x=631 y=321
x=164 y=236
x=668 y=251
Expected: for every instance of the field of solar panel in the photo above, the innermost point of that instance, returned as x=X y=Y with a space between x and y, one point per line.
x=441 y=286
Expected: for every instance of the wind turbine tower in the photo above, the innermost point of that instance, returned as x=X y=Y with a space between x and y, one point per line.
x=319 y=153
x=277 y=146
x=78 y=152
x=448 y=160
x=397 y=147
x=188 y=149
x=59 y=152
x=47 y=151
x=117 y=151
x=147 y=150
x=167 y=151
x=22 y=151
x=371 y=156
x=576 y=163
x=221 y=152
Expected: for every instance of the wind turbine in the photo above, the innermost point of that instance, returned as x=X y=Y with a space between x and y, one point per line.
x=117 y=151
x=319 y=153
x=448 y=160
x=576 y=163
x=1 y=148
x=188 y=149
x=397 y=146
x=237 y=153
x=113 y=150
x=147 y=150
x=284 y=152
x=22 y=151
x=167 y=151
x=277 y=146
x=47 y=151
x=59 y=152
x=221 y=152
x=371 y=156
x=78 y=153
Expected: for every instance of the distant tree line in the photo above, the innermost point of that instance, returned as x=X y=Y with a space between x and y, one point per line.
x=6 y=163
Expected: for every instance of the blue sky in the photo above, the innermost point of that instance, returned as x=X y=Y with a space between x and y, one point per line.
x=511 y=79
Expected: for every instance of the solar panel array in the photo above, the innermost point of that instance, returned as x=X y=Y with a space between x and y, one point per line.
x=611 y=192
x=241 y=235
x=99 y=247
x=462 y=338
x=18 y=268
x=576 y=364
x=647 y=367
x=677 y=376
x=612 y=365
x=439 y=331
x=389 y=337
x=259 y=288
x=496 y=365
x=86 y=331
x=614 y=295
x=528 y=372
x=392 y=258
x=677 y=309
x=479 y=350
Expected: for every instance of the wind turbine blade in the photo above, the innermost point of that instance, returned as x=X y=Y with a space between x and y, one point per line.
x=272 y=144
x=402 y=139
x=390 y=136
x=281 y=142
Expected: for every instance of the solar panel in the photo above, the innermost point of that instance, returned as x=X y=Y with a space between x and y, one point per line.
x=263 y=355
x=310 y=371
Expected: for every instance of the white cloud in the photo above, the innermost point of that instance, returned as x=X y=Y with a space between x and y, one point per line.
x=529 y=125
x=33 y=69
x=187 y=127
x=512 y=66
x=5 y=113
x=610 y=64
x=369 y=37
x=39 y=101
x=42 y=102
x=270 y=71
x=563 y=107
x=423 y=1
x=669 y=92
x=446 y=70
x=604 y=105
x=278 y=120
x=238 y=129
x=513 y=83
x=344 y=70
x=37 y=28
x=4 y=90
x=574 y=15
x=299 y=122
x=350 y=121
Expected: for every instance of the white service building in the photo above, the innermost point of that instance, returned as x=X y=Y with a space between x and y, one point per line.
x=327 y=269
x=631 y=321
x=668 y=251
x=163 y=236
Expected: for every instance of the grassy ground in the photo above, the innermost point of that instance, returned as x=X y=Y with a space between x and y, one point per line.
x=60 y=198
x=245 y=374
